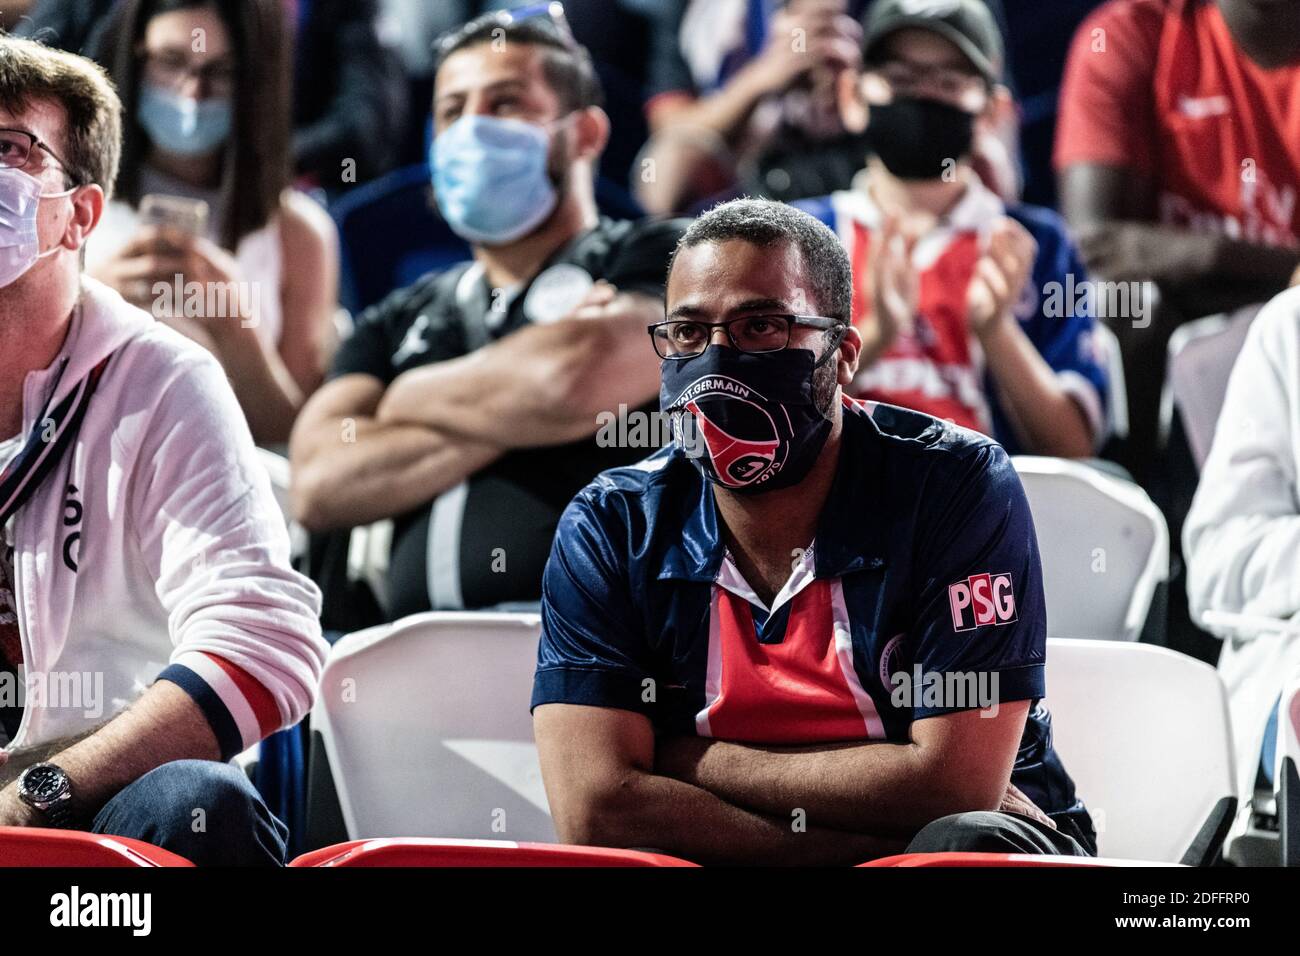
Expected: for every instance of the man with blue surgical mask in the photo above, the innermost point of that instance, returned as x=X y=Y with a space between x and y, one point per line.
x=468 y=406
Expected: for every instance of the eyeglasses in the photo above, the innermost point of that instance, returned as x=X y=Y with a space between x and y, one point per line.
x=679 y=339
x=905 y=78
x=16 y=147
x=171 y=68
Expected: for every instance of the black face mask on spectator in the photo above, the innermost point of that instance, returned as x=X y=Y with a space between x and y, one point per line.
x=915 y=137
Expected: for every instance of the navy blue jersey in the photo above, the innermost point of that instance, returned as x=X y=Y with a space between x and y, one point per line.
x=924 y=568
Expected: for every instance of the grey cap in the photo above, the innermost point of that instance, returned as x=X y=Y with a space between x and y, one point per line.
x=969 y=24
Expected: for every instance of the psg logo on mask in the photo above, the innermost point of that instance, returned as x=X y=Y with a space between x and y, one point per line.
x=746 y=421
x=730 y=423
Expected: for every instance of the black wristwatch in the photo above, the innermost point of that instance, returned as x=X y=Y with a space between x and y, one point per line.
x=47 y=789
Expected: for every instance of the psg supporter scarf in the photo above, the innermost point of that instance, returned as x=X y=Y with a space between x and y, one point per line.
x=49 y=439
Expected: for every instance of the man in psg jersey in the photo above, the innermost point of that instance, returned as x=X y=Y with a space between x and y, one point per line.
x=812 y=629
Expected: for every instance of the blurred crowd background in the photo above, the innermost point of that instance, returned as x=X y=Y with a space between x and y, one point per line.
x=307 y=125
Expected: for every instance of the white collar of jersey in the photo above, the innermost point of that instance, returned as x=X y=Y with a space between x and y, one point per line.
x=803 y=574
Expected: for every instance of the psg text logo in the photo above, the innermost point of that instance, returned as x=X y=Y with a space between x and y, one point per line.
x=745 y=444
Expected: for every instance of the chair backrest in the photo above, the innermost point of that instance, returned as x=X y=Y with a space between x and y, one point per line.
x=1117 y=397
x=1201 y=355
x=32 y=846
x=1000 y=860
x=427 y=728
x=478 y=853
x=1143 y=731
x=1104 y=546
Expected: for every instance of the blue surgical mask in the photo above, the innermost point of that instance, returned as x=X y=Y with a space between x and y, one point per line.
x=181 y=124
x=20 y=197
x=490 y=178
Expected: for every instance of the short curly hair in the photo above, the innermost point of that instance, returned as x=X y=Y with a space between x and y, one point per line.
x=765 y=222
x=30 y=71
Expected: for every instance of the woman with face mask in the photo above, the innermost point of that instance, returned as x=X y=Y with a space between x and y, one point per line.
x=224 y=251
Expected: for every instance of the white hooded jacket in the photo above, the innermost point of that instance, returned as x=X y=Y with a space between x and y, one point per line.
x=1242 y=536
x=156 y=547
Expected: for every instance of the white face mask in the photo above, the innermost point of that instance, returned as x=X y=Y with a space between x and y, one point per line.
x=20 y=199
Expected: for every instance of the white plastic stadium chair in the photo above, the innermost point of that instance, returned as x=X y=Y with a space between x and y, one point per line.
x=1112 y=356
x=1104 y=546
x=1144 y=733
x=1201 y=354
x=426 y=726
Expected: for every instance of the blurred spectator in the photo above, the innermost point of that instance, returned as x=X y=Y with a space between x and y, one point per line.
x=1242 y=536
x=743 y=99
x=1178 y=151
x=211 y=126
x=67 y=24
x=994 y=334
x=14 y=11
x=349 y=101
x=616 y=33
x=466 y=406
x=349 y=98
x=1038 y=39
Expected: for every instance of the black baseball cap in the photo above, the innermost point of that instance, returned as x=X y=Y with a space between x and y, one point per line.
x=968 y=24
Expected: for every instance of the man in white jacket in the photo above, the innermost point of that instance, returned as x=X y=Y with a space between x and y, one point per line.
x=1242 y=536
x=150 y=624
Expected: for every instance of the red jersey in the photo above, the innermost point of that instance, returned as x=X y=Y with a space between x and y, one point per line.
x=1161 y=86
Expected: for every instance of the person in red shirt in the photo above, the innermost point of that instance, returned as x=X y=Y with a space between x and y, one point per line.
x=1178 y=153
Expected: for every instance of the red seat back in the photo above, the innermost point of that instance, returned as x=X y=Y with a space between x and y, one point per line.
x=32 y=846
x=1000 y=860
x=477 y=853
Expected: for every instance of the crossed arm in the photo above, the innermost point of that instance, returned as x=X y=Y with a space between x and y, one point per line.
x=611 y=783
x=362 y=453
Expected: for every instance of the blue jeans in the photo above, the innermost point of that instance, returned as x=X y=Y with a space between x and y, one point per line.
x=205 y=811
x=991 y=831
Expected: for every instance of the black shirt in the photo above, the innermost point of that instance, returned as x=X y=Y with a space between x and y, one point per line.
x=489 y=538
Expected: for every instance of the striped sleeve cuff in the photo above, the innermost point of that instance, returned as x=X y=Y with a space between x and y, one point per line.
x=239 y=709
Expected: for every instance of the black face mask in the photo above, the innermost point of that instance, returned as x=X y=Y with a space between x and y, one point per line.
x=749 y=422
x=915 y=137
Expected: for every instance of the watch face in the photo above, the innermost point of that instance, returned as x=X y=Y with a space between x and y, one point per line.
x=44 y=782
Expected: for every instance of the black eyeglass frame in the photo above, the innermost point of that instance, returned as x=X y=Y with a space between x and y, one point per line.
x=37 y=141
x=808 y=321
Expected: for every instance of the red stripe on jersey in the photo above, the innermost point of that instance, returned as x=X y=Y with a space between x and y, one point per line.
x=259 y=698
x=793 y=692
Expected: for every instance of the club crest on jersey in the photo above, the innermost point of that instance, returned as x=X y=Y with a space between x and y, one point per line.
x=982 y=599
x=751 y=449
